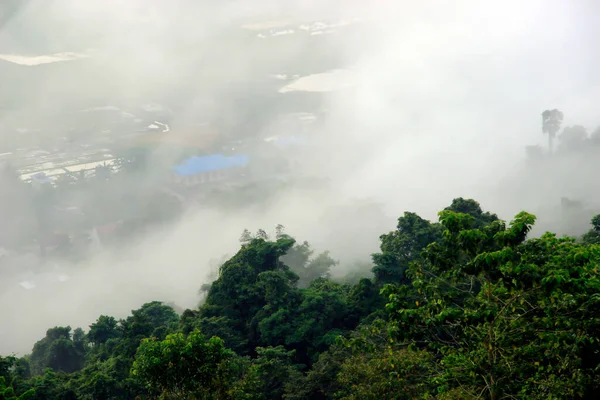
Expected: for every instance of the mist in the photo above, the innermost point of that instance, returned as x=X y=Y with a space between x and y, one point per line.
x=427 y=104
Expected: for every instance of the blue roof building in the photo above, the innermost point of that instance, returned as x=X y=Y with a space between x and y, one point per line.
x=215 y=162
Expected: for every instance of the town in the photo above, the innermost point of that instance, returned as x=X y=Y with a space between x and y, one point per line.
x=99 y=167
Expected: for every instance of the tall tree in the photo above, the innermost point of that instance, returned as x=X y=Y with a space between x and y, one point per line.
x=58 y=351
x=551 y=121
x=250 y=280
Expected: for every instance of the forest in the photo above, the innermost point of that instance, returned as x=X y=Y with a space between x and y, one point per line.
x=466 y=307
x=103 y=287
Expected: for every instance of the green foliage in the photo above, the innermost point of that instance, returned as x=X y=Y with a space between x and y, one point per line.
x=113 y=345
x=15 y=372
x=324 y=308
x=364 y=299
x=52 y=386
x=153 y=319
x=320 y=382
x=593 y=235
x=472 y=208
x=58 y=351
x=256 y=301
x=381 y=368
x=403 y=246
x=465 y=308
x=249 y=281
x=503 y=316
x=8 y=393
x=104 y=329
x=268 y=374
x=6 y=364
x=300 y=260
x=104 y=379
x=386 y=374
x=183 y=366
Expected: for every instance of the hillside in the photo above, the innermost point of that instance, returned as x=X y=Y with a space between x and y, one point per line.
x=466 y=307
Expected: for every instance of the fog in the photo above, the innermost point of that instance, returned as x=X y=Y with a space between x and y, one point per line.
x=419 y=105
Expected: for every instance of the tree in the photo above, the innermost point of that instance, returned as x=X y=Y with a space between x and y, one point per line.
x=310 y=322
x=105 y=379
x=365 y=301
x=472 y=208
x=11 y=374
x=461 y=309
x=573 y=138
x=308 y=268
x=551 y=120
x=57 y=351
x=106 y=374
x=153 y=319
x=261 y=234
x=102 y=330
x=52 y=385
x=256 y=301
x=280 y=232
x=403 y=246
x=247 y=282
x=8 y=393
x=185 y=366
x=504 y=316
x=15 y=372
x=6 y=364
x=320 y=381
x=380 y=368
x=268 y=374
x=593 y=235
x=246 y=237
x=299 y=258
x=413 y=234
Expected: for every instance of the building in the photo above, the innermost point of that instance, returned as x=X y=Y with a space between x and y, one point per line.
x=198 y=137
x=208 y=169
x=40 y=179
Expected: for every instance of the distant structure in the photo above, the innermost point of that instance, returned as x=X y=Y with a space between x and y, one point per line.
x=207 y=169
x=200 y=137
x=551 y=121
x=40 y=179
x=567 y=203
x=284 y=142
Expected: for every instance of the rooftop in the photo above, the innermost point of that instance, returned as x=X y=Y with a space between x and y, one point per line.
x=323 y=82
x=41 y=59
x=214 y=162
x=200 y=137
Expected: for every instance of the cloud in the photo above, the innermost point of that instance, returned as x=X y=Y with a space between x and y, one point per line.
x=442 y=102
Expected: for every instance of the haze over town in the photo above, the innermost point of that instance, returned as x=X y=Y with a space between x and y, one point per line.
x=332 y=118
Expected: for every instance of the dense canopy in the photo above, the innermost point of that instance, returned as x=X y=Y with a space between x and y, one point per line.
x=467 y=307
